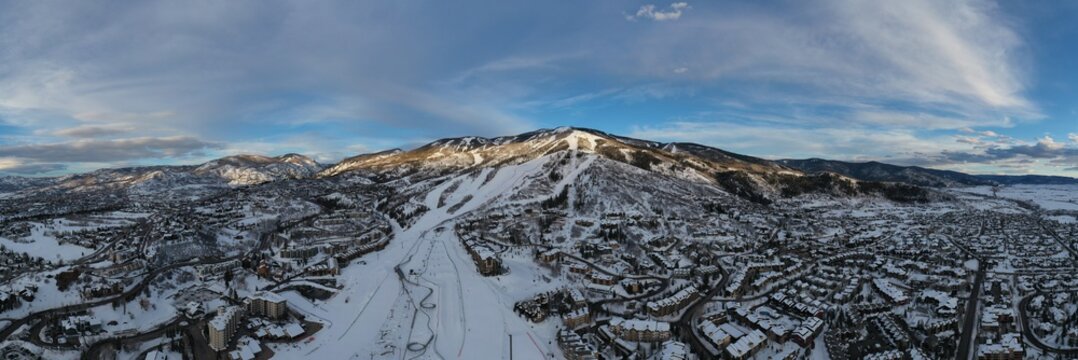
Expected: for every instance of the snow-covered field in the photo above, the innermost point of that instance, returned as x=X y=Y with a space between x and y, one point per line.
x=1049 y=197
x=39 y=244
x=48 y=296
x=134 y=315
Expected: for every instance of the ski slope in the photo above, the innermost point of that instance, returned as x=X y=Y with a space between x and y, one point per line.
x=438 y=307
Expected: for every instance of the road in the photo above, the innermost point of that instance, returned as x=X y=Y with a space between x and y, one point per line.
x=1027 y=330
x=967 y=346
x=684 y=324
x=1059 y=240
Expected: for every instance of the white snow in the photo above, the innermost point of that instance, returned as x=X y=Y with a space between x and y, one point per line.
x=44 y=246
x=1049 y=197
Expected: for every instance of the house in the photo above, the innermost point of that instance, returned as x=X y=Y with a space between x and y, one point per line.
x=890 y=292
x=674 y=303
x=576 y=318
x=1008 y=348
x=573 y=347
x=746 y=346
x=302 y=252
x=805 y=334
x=550 y=256
x=486 y=260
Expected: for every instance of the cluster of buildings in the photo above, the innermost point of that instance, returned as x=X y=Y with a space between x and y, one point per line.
x=674 y=303
x=640 y=330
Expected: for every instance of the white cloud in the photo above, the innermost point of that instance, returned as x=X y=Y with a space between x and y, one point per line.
x=1073 y=137
x=968 y=140
x=649 y=12
x=108 y=150
x=960 y=58
x=782 y=141
x=16 y=166
x=1049 y=143
x=248 y=72
x=906 y=119
x=897 y=146
x=93 y=131
x=963 y=48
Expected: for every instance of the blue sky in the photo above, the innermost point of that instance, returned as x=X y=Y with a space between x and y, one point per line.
x=975 y=86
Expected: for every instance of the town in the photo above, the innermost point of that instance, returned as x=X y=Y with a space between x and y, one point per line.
x=238 y=274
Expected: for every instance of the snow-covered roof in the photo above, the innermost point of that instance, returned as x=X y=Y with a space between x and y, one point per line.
x=268 y=296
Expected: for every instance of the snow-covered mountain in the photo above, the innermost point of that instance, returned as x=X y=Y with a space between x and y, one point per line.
x=227 y=171
x=625 y=159
x=876 y=171
x=257 y=169
x=9 y=184
x=679 y=159
x=752 y=178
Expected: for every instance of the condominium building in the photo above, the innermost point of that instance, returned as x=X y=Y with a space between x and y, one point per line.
x=268 y=304
x=221 y=328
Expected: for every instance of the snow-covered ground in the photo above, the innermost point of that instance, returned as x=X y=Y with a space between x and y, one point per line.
x=1049 y=197
x=48 y=296
x=134 y=315
x=39 y=244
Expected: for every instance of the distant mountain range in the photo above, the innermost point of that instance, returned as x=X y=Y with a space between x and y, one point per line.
x=915 y=175
x=756 y=179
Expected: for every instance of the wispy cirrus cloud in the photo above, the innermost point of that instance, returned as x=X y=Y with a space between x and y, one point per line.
x=962 y=57
x=93 y=131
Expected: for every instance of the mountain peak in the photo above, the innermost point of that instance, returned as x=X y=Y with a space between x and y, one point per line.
x=246 y=169
x=476 y=152
x=297 y=159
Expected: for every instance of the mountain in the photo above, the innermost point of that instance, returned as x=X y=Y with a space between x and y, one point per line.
x=257 y=169
x=1029 y=179
x=474 y=152
x=9 y=184
x=915 y=175
x=876 y=171
x=617 y=163
x=228 y=171
x=751 y=178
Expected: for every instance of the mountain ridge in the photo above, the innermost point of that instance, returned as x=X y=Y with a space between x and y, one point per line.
x=916 y=175
x=686 y=160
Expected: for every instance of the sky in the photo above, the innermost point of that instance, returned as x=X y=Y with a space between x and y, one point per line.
x=975 y=86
